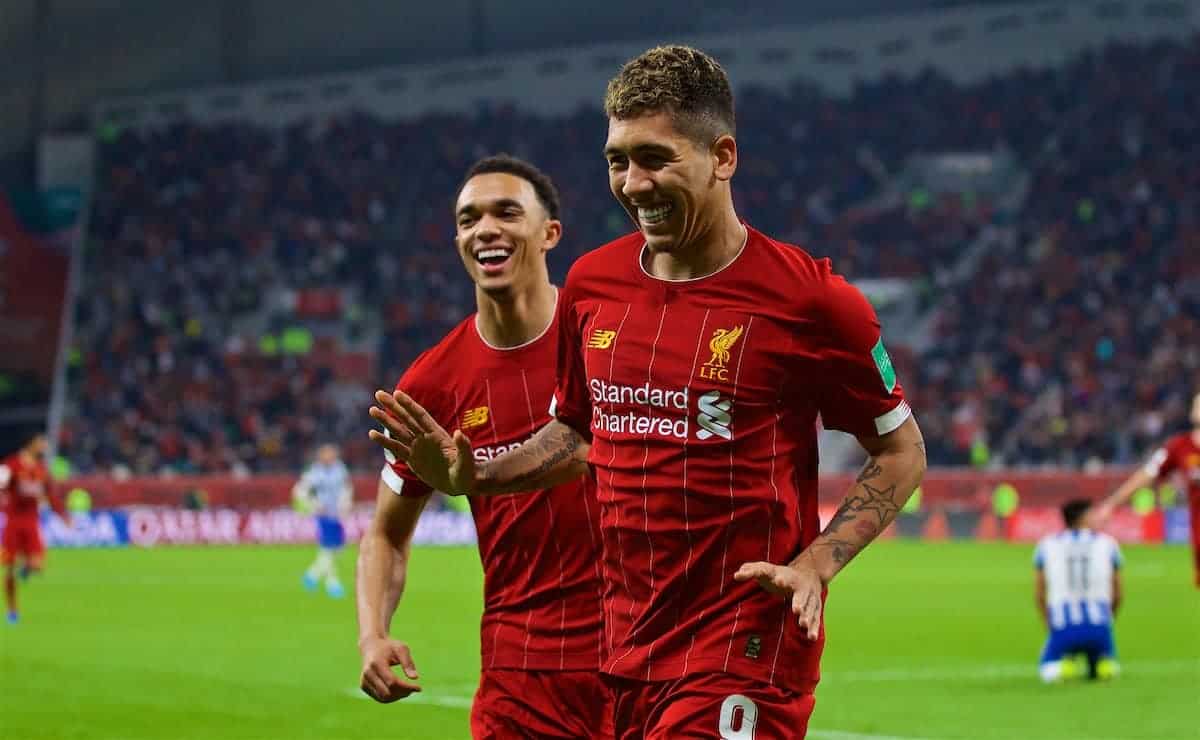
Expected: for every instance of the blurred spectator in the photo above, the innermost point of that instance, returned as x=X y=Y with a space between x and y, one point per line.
x=1092 y=318
x=246 y=287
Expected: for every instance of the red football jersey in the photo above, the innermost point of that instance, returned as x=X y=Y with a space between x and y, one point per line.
x=540 y=551
x=1179 y=455
x=701 y=399
x=28 y=483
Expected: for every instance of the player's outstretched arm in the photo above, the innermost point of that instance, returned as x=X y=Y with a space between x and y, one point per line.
x=555 y=454
x=379 y=581
x=891 y=473
x=1099 y=516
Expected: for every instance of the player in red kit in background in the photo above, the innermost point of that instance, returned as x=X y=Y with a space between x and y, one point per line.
x=695 y=357
x=25 y=481
x=1179 y=455
x=493 y=376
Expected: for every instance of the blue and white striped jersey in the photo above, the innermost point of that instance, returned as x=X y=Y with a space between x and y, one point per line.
x=327 y=484
x=1078 y=565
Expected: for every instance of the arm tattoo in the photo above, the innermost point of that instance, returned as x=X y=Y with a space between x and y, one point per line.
x=873 y=502
x=880 y=502
x=870 y=471
x=543 y=453
x=842 y=551
x=840 y=517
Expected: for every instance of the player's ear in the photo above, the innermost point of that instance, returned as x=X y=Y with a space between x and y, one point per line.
x=553 y=233
x=725 y=156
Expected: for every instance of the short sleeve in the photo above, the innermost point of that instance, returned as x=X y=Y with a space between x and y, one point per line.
x=861 y=394
x=1039 y=557
x=1118 y=560
x=395 y=474
x=400 y=479
x=1160 y=464
x=571 y=404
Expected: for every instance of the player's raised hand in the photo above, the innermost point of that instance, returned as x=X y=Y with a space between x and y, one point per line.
x=801 y=584
x=378 y=680
x=444 y=461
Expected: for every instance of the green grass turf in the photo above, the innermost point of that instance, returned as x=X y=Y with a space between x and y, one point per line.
x=925 y=641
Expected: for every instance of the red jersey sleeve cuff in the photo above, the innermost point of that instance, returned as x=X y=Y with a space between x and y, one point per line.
x=892 y=420
x=1154 y=465
x=402 y=487
x=572 y=417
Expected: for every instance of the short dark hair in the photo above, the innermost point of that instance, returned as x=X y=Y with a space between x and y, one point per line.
x=19 y=438
x=1073 y=511
x=28 y=434
x=507 y=164
x=683 y=81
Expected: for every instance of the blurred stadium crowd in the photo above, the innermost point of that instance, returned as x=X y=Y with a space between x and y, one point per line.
x=245 y=287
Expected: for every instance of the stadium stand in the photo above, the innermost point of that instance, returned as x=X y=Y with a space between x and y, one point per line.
x=1080 y=343
x=270 y=277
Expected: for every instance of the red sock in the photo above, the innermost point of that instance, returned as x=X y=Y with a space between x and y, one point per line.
x=10 y=590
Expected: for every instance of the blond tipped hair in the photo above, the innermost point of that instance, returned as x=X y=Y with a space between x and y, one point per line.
x=682 y=81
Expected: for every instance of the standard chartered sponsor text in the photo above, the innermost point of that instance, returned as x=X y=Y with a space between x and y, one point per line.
x=643 y=420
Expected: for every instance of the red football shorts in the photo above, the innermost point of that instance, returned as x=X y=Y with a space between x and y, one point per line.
x=24 y=539
x=541 y=704
x=708 y=705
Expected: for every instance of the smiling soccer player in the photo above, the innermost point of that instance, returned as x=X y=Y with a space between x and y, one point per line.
x=493 y=375
x=695 y=357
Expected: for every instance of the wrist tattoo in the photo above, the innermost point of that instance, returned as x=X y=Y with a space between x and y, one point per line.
x=841 y=551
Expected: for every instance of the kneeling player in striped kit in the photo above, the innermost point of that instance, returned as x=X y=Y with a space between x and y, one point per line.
x=1078 y=592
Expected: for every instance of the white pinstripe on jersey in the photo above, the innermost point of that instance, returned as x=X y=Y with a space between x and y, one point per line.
x=687 y=524
x=611 y=495
x=587 y=507
x=645 y=459
x=487 y=384
x=787 y=611
x=554 y=535
x=732 y=505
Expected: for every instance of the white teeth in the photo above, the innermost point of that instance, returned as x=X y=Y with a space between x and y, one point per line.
x=489 y=253
x=654 y=215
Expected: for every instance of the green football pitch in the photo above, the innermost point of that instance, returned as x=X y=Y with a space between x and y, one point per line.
x=926 y=641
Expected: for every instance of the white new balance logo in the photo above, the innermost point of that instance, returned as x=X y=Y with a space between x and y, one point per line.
x=714 y=418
